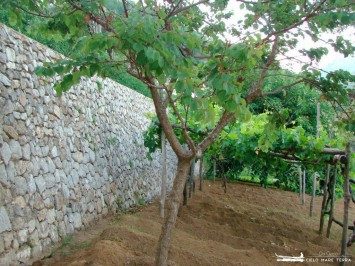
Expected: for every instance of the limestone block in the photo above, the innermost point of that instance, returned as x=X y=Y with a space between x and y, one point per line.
x=5 y=224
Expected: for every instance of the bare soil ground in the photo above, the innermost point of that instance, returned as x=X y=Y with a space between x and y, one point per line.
x=245 y=226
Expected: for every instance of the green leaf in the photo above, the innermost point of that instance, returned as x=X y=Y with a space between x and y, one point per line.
x=44 y=71
x=13 y=18
x=141 y=58
x=93 y=69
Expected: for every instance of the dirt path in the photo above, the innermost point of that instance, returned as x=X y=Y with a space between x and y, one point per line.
x=246 y=226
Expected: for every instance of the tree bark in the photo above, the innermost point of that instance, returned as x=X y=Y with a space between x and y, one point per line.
x=163 y=175
x=172 y=211
x=160 y=109
x=346 y=203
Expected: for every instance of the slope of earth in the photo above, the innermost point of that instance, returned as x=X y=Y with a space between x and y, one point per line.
x=245 y=226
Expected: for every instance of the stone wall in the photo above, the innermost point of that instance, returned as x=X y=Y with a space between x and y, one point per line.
x=65 y=161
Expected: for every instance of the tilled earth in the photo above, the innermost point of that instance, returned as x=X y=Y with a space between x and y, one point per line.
x=245 y=226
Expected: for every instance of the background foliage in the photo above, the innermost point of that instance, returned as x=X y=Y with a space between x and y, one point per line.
x=29 y=25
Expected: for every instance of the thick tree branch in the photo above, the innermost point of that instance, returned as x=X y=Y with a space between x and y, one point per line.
x=166 y=125
x=104 y=23
x=255 y=91
x=307 y=17
x=177 y=11
x=124 y=4
x=33 y=13
x=253 y=3
x=174 y=8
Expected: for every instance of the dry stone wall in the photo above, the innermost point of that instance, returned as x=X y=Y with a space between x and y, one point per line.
x=65 y=161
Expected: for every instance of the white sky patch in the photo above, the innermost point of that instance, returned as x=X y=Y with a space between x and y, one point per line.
x=332 y=61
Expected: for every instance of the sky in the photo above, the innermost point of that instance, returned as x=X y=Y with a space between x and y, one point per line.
x=332 y=61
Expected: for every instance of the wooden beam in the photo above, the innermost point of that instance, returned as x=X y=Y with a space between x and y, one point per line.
x=333 y=151
x=350 y=227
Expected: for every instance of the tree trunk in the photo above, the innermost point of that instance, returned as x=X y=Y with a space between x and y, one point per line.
x=163 y=175
x=324 y=202
x=346 y=203
x=172 y=211
x=200 y=172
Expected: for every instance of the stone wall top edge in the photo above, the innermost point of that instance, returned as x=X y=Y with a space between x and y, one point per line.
x=25 y=38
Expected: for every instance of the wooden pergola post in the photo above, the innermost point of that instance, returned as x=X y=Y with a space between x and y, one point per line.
x=191 y=178
x=332 y=200
x=324 y=201
x=304 y=187
x=300 y=177
x=315 y=175
x=346 y=203
x=214 y=170
x=314 y=185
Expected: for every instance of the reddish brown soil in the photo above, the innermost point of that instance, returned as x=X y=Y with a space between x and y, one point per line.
x=246 y=226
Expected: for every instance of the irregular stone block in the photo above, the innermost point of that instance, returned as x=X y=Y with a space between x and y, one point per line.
x=8 y=107
x=23 y=254
x=5 y=152
x=16 y=151
x=5 y=224
x=5 y=80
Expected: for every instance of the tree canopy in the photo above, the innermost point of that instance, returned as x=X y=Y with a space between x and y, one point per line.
x=201 y=72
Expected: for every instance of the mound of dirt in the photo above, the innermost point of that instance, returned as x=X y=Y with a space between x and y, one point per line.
x=245 y=226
